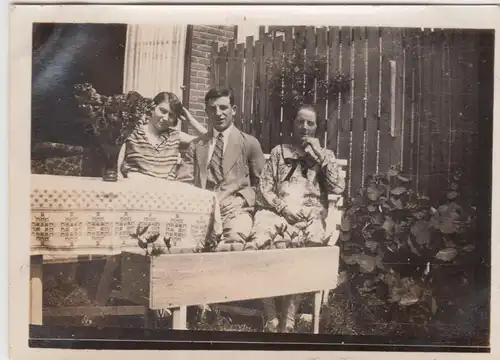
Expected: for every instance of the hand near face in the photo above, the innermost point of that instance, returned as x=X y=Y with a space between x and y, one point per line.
x=313 y=142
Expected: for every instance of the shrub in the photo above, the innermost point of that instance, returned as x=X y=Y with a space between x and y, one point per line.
x=391 y=239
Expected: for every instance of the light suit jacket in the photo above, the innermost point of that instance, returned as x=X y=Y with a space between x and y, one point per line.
x=242 y=165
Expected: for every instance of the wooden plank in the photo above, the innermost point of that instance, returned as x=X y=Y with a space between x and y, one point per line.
x=249 y=86
x=333 y=104
x=288 y=109
x=358 y=119
x=417 y=51
x=310 y=60
x=299 y=50
x=385 y=146
x=408 y=101
x=321 y=93
x=36 y=290
x=193 y=279
x=104 y=290
x=456 y=59
x=316 y=311
x=179 y=320
x=238 y=83
x=397 y=51
x=223 y=66
x=259 y=90
x=471 y=118
x=346 y=99
x=266 y=116
x=231 y=48
x=373 y=105
x=425 y=120
x=94 y=311
x=275 y=108
x=438 y=138
x=446 y=106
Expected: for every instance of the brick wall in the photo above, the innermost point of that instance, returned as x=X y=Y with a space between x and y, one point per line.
x=199 y=84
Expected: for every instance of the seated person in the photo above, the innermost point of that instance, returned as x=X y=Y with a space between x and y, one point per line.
x=229 y=162
x=292 y=201
x=153 y=147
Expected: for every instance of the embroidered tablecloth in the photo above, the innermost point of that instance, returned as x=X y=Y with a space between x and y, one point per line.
x=76 y=215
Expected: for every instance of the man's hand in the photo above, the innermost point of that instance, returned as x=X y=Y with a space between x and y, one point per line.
x=231 y=204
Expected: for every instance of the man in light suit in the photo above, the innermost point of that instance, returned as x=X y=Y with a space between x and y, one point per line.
x=228 y=162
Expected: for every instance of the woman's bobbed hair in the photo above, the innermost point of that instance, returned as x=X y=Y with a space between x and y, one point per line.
x=171 y=99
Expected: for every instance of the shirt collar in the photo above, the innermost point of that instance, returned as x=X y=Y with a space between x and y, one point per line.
x=225 y=133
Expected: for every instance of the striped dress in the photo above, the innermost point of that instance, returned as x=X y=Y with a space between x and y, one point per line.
x=159 y=161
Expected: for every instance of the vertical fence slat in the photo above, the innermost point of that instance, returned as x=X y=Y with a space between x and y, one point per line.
x=230 y=62
x=260 y=89
x=408 y=101
x=385 y=101
x=418 y=54
x=333 y=104
x=223 y=66
x=345 y=109
x=265 y=117
x=437 y=138
x=372 y=110
x=276 y=97
x=288 y=112
x=457 y=148
x=321 y=94
x=249 y=85
x=470 y=113
x=310 y=57
x=397 y=50
x=445 y=117
x=426 y=118
x=299 y=48
x=359 y=107
x=238 y=83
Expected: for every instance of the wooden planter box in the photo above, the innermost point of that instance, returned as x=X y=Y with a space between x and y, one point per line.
x=180 y=280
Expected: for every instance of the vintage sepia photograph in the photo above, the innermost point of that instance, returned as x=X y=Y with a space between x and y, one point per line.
x=324 y=186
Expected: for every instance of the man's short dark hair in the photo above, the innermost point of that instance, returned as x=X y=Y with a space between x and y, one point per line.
x=215 y=93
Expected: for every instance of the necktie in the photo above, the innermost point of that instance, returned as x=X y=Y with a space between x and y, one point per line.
x=216 y=161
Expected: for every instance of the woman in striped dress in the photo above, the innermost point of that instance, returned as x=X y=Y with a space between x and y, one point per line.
x=153 y=147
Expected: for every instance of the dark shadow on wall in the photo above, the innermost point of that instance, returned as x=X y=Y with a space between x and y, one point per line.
x=64 y=55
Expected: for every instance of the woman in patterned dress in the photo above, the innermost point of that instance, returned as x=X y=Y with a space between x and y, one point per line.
x=292 y=202
x=153 y=147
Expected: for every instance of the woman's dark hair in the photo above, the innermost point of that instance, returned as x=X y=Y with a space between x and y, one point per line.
x=310 y=108
x=171 y=99
x=216 y=93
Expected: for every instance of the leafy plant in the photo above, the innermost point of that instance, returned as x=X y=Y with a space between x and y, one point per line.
x=391 y=239
x=293 y=74
x=147 y=242
x=111 y=118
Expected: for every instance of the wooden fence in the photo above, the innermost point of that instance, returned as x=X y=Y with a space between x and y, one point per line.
x=412 y=101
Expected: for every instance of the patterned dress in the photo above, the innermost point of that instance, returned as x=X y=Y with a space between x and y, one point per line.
x=290 y=179
x=160 y=161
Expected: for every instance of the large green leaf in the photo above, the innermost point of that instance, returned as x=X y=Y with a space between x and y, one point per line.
x=447 y=254
x=372 y=245
x=421 y=232
x=388 y=225
x=400 y=190
x=372 y=192
x=345 y=225
x=367 y=264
